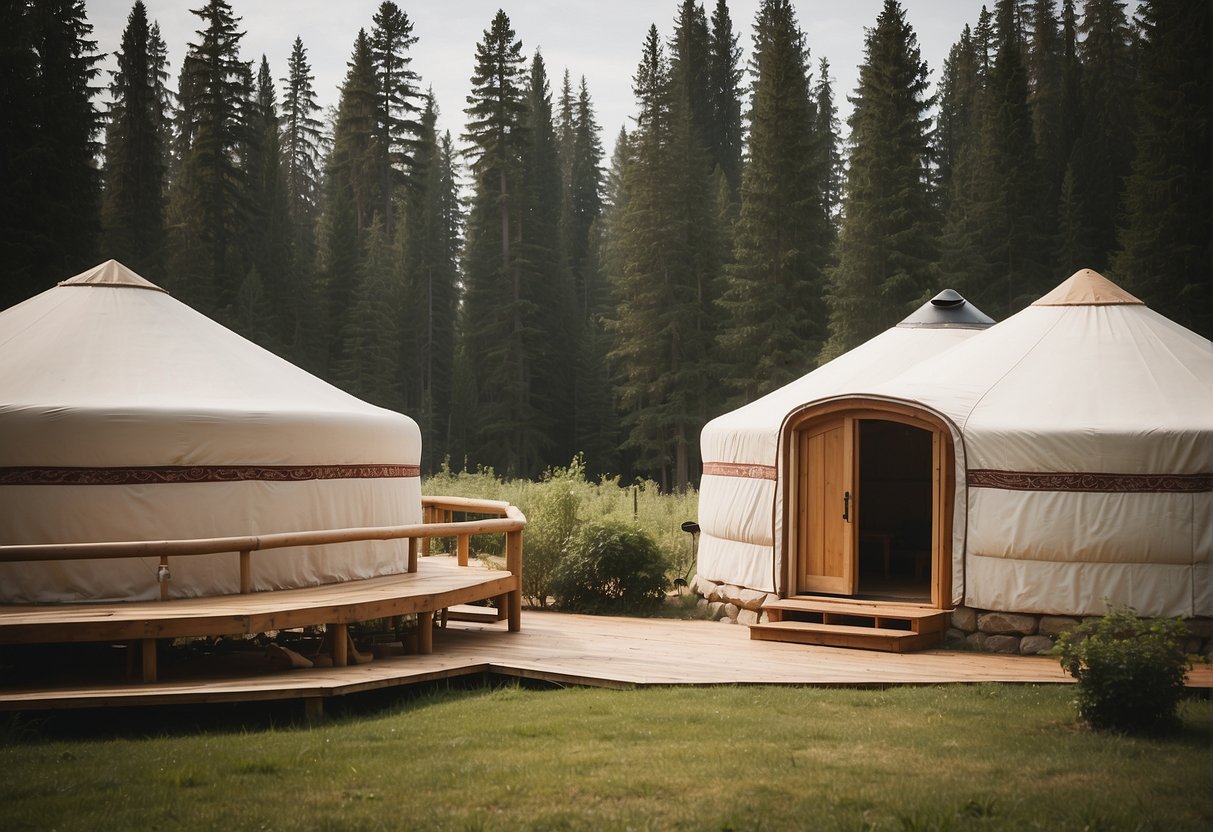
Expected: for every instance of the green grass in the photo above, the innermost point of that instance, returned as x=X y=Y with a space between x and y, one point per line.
x=757 y=758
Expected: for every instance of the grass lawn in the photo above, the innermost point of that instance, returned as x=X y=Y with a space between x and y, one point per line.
x=988 y=757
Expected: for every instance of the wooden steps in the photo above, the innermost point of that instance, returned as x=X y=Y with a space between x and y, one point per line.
x=866 y=625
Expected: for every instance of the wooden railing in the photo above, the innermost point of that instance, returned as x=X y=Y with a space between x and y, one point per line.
x=436 y=522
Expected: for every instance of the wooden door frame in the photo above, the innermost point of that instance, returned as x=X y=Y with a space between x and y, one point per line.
x=943 y=486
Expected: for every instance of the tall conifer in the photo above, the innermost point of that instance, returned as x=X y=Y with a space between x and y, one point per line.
x=1104 y=150
x=771 y=298
x=136 y=149
x=1166 y=256
x=208 y=221
x=499 y=314
x=887 y=244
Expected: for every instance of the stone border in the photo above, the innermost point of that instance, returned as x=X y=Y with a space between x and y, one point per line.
x=987 y=630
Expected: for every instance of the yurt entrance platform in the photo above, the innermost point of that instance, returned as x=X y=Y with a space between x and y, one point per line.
x=867 y=625
x=573 y=650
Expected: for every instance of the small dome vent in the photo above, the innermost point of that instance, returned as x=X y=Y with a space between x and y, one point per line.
x=948 y=299
x=948 y=309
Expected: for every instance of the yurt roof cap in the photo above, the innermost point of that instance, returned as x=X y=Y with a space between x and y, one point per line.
x=113 y=275
x=1087 y=287
x=948 y=310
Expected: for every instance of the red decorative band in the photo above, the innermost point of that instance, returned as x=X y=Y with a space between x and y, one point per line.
x=739 y=469
x=1117 y=483
x=167 y=474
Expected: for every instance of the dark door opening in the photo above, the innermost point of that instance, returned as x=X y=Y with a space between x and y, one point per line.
x=894 y=510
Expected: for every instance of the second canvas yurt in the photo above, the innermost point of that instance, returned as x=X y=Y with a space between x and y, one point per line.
x=1050 y=465
x=125 y=415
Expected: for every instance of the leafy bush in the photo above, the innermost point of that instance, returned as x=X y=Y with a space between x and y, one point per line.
x=551 y=524
x=1130 y=670
x=642 y=504
x=612 y=566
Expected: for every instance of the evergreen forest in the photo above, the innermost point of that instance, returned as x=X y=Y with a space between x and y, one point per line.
x=527 y=298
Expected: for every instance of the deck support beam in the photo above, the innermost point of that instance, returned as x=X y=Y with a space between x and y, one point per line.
x=149 y=660
x=425 y=633
x=339 y=644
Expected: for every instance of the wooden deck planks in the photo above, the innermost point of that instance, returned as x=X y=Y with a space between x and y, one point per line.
x=437 y=582
x=587 y=650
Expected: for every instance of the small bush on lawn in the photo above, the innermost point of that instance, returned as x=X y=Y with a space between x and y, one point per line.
x=612 y=566
x=1130 y=670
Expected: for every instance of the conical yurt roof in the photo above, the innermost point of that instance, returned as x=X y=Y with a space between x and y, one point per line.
x=1087 y=378
x=108 y=369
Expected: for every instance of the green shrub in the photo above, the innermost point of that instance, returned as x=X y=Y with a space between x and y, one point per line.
x=612 y=566
x=551 y=512
x=1130 y=670
x=642 y=503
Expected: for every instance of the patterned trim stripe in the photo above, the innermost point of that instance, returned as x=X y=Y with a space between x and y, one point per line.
x=739 y=469
x=1119 y=483
x=168 y=474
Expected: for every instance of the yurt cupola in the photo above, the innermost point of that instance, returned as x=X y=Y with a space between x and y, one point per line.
x=948 y=309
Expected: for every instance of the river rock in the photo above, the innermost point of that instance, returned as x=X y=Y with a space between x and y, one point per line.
x=1006 y=623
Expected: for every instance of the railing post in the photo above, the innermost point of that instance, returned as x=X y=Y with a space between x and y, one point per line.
x=413 y=553
x=163 y=576
x=427 y=516
x=246 y=572
x=513 y=563
x=462 y=549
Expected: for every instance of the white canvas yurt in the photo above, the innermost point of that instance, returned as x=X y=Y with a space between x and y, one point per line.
x=126 y=415
x=738 y=509
x=1057 y=461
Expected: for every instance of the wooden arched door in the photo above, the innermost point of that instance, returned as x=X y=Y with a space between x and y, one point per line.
x=842 y=459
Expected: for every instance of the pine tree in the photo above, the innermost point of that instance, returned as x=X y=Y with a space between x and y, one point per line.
x=397 y=108
x=664 y=263
x=887 y=243
x=51 y=206
x=209 y=218
x=724 y=139
x=1165 y=256
x=136 y=151
x=368 y=367
x=774 y=320
x=1045 y=79
x=994 y=242
x=301 y=146
x=549 y=285
x=352 y=185
x=958 y=121
x=829 y=141
x=1104 y=151
x=271 y=244
x=431 y=224
x=18 y=148
x=499 y=313
x=690 y=69
x=584 y=196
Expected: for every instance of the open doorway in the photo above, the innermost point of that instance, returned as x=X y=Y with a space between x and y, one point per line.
x=869 y=507
x=894 y=511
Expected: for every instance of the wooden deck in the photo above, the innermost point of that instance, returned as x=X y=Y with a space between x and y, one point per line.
x=575 y=650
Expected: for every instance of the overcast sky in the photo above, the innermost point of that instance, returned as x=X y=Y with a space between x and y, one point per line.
x=600 y=40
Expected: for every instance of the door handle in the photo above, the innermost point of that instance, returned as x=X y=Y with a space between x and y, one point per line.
x=846 y=506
